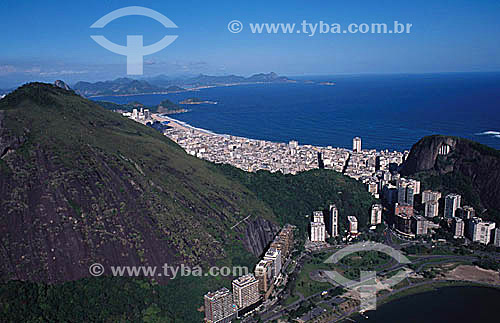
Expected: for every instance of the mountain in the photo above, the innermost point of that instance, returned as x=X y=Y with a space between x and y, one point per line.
x=119 y=86
x=469 y=168
x=167 y=106
x=267 y=78
x=81 y=185
x=207 y=80
x=175 y=88
x=163 y=84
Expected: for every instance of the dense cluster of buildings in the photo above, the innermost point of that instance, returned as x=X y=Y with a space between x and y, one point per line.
x=250 y=290
x=253 y=155
x=141 y=115
x=325 y=224
x=462 y=220
x=373 y=168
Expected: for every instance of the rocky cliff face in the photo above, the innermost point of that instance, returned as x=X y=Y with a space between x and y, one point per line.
x=258 y=235
x=9 y=142
x=471 y=161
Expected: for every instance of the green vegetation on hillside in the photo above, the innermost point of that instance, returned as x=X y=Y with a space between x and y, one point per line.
x=105 y=299
x=291 y=197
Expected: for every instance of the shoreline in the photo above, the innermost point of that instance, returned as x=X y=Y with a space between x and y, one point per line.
x=432 y=286
x=185 y=125
x=181 y=124
x=425 y=287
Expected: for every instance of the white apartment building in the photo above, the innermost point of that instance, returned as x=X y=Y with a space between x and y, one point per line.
x=376 y=214
x=353 y=224
x=431 y=209
x=245 y=291
x=274 y=255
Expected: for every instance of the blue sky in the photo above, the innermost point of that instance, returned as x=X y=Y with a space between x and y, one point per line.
x=47 y=40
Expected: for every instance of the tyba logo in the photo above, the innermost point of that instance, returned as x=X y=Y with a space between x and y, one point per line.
x=135 y=49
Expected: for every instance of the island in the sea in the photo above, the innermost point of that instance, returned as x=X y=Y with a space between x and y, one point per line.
x=197 y=101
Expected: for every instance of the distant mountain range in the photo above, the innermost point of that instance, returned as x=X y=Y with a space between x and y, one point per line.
x=208 y=80
x=164 y=84
x=119 y=86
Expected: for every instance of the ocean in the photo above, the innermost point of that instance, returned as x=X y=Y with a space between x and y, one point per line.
x=448 y=304
x=387 y=111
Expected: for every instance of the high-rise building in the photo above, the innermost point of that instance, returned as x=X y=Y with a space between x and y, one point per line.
x=279 y=245
x=264 y=274
x=480 y=231
x=332 y=221
x=404 y=223
x=318 y=228
x=419 y=225
x=372 y=187
x=407 y=189
x=245 y=291
x=416 y=186
x=451 y=204
x=402 y=185
x=274 y=255
x=496 y=240
x=458 y=227
x=135 y=114
x=376 y=214
x=356 y=145
x=292 y=144
x=403 y=209
x=219 y=306
x=318 y=217
x=284 y=241
x=318 y=233
x=390 y=194
x=429 y=195
x=353 y=224
x=410 y=194
x=466 y=212
x=431 y=209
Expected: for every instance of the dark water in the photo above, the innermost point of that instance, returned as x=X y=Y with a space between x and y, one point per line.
x=449 y=304
x=387 y=112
